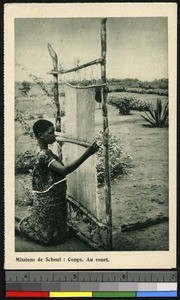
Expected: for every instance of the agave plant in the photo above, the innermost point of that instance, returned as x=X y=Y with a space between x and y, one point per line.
x=158 y=116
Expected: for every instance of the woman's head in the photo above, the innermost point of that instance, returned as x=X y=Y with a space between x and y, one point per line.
x=44 y=130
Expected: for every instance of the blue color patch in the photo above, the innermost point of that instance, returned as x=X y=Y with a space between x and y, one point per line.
x=157 y=294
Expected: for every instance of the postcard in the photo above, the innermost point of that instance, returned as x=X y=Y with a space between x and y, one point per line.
x=90 y=135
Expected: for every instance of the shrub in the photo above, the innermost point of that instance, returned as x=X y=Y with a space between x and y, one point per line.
x=128 y=103
x=47 y=90
x=123 y=104
x=158 y=116
x=118 y=161
x=25 y=87
x=139 y=105
x=161 y=92
x=136 y=90
x=24 y=162
x=120 y=89
x=27 y=128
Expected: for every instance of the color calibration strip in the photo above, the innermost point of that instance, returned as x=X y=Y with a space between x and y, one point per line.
x=106 y=294
x=91 y=284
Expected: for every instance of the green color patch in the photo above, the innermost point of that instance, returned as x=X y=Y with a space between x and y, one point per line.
x=114 y=294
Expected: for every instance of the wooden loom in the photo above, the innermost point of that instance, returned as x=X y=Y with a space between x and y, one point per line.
x=83 y=203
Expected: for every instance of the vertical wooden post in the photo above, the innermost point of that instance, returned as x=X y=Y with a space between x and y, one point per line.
x=106 y=137
x=56 y=88
x=56 y=100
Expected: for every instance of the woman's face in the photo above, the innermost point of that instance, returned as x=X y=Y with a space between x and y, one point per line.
x=49 y=136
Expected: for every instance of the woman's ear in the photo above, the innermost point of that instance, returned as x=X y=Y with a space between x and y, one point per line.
x=40 y=135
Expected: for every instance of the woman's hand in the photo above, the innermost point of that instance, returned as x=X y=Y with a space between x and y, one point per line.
x=93 y=148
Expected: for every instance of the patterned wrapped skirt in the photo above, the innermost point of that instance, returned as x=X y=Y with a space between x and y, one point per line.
x=47 y=223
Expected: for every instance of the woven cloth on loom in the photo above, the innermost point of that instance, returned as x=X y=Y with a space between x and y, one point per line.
x=80 y=118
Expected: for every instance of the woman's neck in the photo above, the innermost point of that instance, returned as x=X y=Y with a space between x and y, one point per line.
x=42 y=145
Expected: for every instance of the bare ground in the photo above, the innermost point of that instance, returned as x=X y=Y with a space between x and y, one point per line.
x=139 y=194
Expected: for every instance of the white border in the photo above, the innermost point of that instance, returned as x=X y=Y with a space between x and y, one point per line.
x=117 y=260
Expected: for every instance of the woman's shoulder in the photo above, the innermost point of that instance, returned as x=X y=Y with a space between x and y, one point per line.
x=42 y=152
x=44 y=155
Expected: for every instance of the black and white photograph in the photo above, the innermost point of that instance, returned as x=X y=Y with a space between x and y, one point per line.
x=94 y=104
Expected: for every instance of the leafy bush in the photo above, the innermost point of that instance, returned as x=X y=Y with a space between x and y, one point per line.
x=137 y=86
x=24 y=162
x=27 y=128
x=158 y=116
x=120 y=89
x=48 y=90
x=136 y=90
x=123 y=104
x=128 y=103
x=160 y=92
x=25 y=87
x=139 y=105
x=118 y=161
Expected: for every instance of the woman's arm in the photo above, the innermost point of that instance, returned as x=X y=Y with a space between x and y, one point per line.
x=65 y=170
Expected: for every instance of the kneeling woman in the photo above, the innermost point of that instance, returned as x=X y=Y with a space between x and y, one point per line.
x=47 y=223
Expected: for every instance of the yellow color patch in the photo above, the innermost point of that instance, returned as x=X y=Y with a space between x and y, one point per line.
x=70 y=294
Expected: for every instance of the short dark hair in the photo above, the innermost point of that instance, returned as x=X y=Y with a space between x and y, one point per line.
x=41 y=126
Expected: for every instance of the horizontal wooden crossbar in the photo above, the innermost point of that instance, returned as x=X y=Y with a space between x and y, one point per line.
x=62 y=138
x=94 y=62
x=84 y=87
